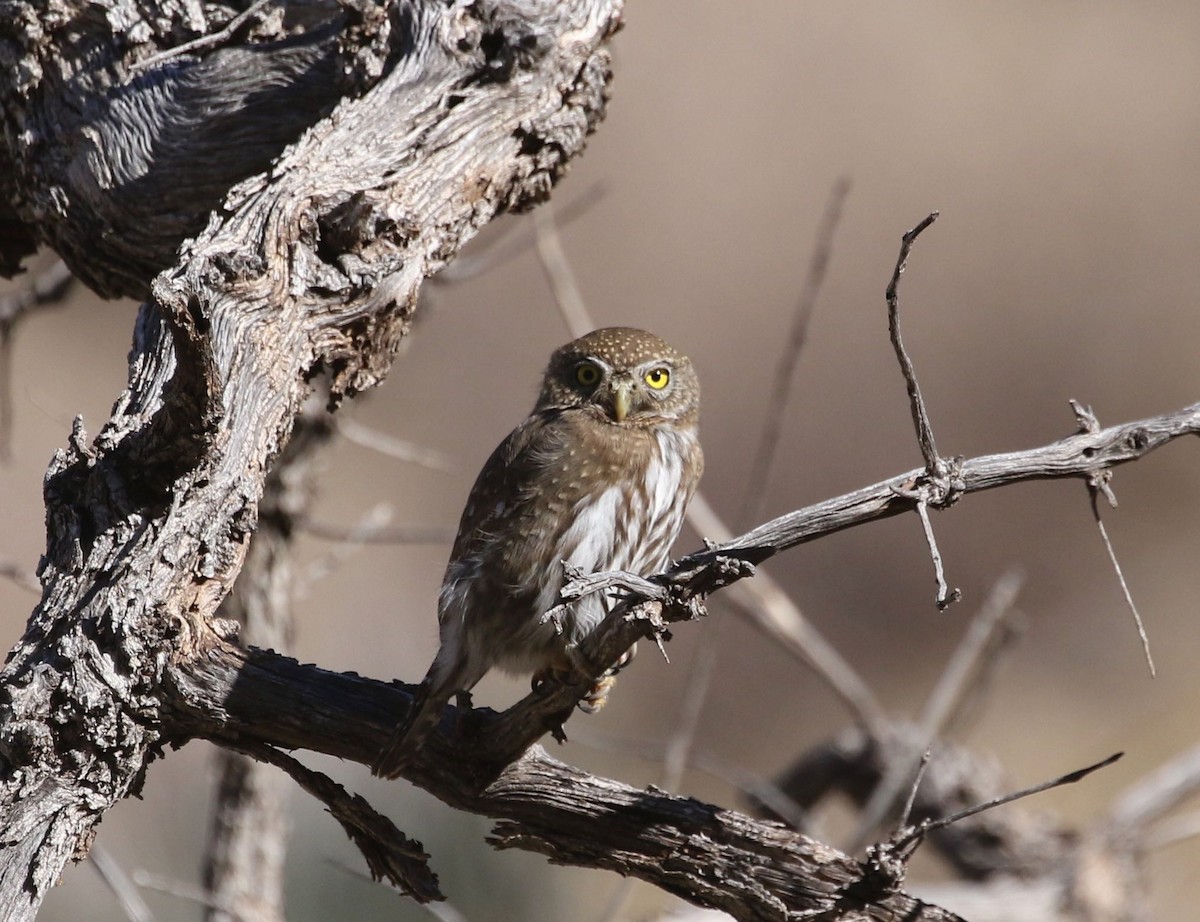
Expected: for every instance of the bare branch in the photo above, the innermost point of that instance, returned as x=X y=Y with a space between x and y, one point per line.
x=911 y=837
x=785 y=373
x=121 y=885
x=917 y=404
x=697 y=851
x=1100 y=484
x=400 y=449
x=939 y=708
x=396 y=534
x=390 y=854
x=1150 y=798
x=212 y=40
x=559 y=274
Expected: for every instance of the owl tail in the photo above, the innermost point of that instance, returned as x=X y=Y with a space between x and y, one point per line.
x=410 y=733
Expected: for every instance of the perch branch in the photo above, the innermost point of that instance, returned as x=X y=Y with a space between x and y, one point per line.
x=703 y=853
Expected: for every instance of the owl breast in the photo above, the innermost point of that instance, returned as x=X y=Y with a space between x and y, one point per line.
x=627 y=525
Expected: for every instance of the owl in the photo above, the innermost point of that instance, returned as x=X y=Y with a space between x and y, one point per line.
x=598 y=477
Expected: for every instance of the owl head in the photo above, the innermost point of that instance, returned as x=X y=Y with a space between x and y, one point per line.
x=628 y=377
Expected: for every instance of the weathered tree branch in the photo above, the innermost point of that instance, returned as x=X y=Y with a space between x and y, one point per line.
x=752 y=869
x=224 y=698
x=378 y=142
x=472 y=109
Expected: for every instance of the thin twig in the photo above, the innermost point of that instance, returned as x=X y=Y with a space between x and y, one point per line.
x=918 y=776
x=951 y=689
x=764 y=603
x=1100 y=483
x=1173 y=831
x=939 y=486
x=913 y=836
x=1112 y=556
x=945 y=595
x=392 y=447
x=204 y=41
x=177 y=888
x=785 y=372
x=916 y=403
x=514 y=238
x=120 y=884
x=396 y=534
x=559 y=273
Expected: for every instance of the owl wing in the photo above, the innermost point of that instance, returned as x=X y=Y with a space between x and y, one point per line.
x=501 y=489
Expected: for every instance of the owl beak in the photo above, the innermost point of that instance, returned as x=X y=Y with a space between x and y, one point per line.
x=622 y=400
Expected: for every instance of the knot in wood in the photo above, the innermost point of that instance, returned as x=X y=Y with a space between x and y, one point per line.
x=942 y=486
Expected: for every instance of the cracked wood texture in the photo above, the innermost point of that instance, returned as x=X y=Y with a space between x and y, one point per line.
x=752 y=869
x=439 y=117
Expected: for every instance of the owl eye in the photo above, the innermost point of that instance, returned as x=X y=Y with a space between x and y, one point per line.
x=658 y=378
x=587 y=374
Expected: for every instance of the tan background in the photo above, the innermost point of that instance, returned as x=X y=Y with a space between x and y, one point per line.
x=1061 y=142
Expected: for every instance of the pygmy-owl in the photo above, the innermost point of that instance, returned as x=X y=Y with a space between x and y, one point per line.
x=597 y=477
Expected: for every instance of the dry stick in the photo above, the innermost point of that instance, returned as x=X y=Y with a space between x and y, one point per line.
x=396 y=534
x=389 y=853
x=951 y=690
x=508 y=243
x=1152 y=796
x=937 y=486
x=700 y=677
x=1100 y=483
x=120 y=884
x=558 y=272
x=1173 y=831
x=916 y=403
x=392 y=447
x=204 y=41
x=785 y=372
x=178 y=889
x=918 y=776
x=914 y=836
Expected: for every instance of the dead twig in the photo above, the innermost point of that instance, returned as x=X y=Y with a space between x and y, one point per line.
x=785 y=372
x=949 y=693
x=211 y=40
x=1100 y=484
x=392 y=447
x=120 y=884
x=938 y=484
x=389 y=853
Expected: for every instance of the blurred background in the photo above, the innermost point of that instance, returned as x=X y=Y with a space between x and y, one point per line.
x=1061 y=143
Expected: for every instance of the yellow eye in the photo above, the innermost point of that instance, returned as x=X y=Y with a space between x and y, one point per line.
x=658 y=378
x=587 y=374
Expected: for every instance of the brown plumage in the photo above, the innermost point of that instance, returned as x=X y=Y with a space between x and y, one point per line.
x=598 y=476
